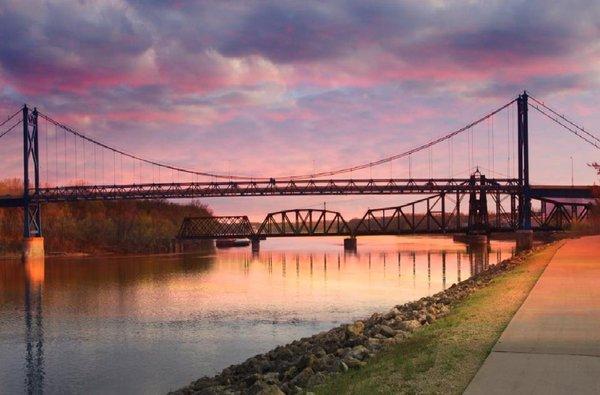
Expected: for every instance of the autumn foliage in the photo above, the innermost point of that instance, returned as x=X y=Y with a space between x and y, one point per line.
x=100 y=226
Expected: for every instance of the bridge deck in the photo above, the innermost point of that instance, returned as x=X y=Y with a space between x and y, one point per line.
x=295 y=188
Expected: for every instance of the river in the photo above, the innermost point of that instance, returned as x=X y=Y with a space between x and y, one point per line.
x=149 y=324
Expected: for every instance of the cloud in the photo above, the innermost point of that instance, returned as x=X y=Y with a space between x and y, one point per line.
x=278 y=84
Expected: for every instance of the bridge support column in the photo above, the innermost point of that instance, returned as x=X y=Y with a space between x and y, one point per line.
x=350 y=244
x=524 y=239
x=33 y=247
x=255 y=242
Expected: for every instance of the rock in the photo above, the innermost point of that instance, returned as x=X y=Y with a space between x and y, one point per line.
x=262 y=388
x=319 y=352
x=302 y=378
x=291 y=372
x=374 y=344
x=316 y=379
x=289 y=388
x=411 y=325
x=343 y=366
x=375 y=318
x=253 y=378
x=392 y=314
x=216 y=390
x=443 y=310
x=203 y=382
x=387 y=331
x=430 y=318
x=271 y=378
x=356 y=329
x=307 y=361
x=355 y=341
x=285 y=354
x=359 y=352
x=341 y=352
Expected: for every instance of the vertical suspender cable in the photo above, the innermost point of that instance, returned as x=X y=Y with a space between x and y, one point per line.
x=65 y=156
x=56 y=155
x=508 y=142
x=493 y=150
x=75 y=141
x=46 y=152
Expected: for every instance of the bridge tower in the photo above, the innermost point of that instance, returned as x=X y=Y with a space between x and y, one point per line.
x=33 y=242
x=523 y=162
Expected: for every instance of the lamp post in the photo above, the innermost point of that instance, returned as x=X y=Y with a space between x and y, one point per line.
x=572 y=182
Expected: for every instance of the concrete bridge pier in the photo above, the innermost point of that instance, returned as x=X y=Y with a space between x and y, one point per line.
x=33 y=247
x=524 y=239
x=350 y=244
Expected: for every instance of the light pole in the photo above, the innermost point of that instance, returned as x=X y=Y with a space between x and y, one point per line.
x=572 y=182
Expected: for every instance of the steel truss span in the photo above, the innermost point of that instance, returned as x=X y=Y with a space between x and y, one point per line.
x=438 y=214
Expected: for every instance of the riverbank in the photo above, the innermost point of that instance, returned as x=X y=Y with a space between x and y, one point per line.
x=445 y=356
x=398 y=344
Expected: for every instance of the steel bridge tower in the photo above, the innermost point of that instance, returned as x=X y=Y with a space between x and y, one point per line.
x=523 y=162
x=32 y=222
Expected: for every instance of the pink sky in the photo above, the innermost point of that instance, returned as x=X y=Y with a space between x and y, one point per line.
x=285 y=87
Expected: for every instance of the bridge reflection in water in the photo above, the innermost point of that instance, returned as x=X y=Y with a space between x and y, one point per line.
x=450 y=266
x=34 y=325
x=117 y=324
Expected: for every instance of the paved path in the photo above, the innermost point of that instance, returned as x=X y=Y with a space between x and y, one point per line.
x=552 y=344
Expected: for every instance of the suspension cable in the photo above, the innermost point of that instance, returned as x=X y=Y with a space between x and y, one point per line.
x=570 y=129
x=9 y=118
x=291 y=177
x=581 y=128
x=10 y=129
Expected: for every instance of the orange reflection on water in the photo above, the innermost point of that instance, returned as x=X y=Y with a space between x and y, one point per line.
x=119 y=320
x=35 y=270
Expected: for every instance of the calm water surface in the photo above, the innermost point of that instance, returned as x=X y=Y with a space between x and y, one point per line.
x=152 y=324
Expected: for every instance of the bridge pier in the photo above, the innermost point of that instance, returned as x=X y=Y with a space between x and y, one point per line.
x=524 y=239
x=255 y=242
x=33 y=247
x=350 y=244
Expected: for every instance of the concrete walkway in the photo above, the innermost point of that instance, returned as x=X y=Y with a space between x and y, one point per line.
x=552 y=344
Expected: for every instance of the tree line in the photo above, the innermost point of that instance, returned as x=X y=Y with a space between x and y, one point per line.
x=141 y=226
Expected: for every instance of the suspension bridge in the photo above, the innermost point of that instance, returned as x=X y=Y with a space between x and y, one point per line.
x=62 y=164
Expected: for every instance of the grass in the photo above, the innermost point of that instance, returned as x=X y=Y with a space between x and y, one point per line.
x=444 y=357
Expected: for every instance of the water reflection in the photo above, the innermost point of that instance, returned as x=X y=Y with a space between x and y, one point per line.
x=151 y=324
x=34 y=328
x=442 y=261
